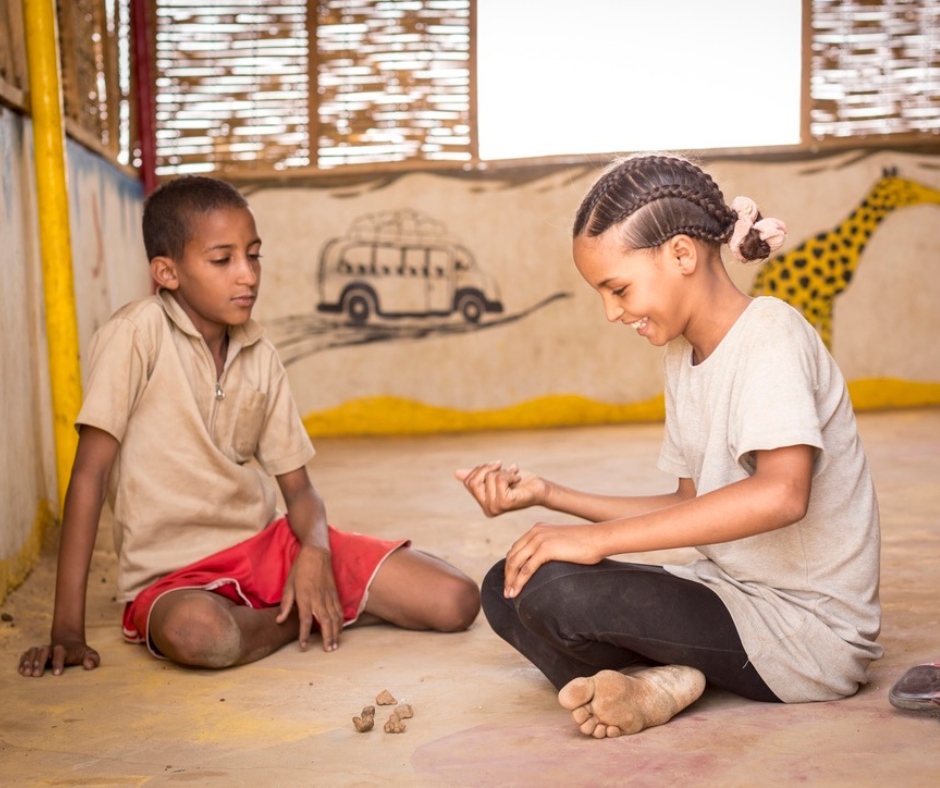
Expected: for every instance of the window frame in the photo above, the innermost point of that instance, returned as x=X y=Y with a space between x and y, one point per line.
x=14 y=92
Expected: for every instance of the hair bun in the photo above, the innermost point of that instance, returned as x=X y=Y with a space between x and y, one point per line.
x=771 y=233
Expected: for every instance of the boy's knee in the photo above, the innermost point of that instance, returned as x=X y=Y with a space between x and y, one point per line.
x=198 y=631
x=459 y=607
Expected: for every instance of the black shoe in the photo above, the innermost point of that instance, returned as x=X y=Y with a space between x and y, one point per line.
x=918 y=689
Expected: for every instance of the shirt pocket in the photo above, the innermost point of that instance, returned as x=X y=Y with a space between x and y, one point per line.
x=248 y=424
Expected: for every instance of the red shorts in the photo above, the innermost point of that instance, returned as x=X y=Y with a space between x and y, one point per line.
x=253 y=573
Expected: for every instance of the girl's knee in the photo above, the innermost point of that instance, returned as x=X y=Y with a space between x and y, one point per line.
x=197 y=630
x=493 y=582
x=499 y=611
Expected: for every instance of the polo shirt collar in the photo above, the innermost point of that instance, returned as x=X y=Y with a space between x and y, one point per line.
x=246 y=334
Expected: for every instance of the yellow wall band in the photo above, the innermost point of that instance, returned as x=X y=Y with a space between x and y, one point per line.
x=398 y=416
x=884 y=393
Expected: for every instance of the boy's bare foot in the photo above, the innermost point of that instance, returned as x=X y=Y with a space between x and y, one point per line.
x=610 y=704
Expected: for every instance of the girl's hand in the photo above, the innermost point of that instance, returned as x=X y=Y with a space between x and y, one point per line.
x=498 y=489
x=312 y=587
x=58 y=655
x=577 y=544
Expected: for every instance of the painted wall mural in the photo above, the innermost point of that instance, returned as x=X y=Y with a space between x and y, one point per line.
x=442 y=302
x=395 y=275
x=814 y=274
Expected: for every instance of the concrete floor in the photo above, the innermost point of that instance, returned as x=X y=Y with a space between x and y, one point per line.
x=483 y=715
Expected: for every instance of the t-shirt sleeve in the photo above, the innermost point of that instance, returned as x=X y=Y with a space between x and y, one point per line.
x=284 y=445
x=774 y=401
x=117 y=377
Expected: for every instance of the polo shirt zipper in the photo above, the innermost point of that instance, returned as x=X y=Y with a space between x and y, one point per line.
x=219 y=391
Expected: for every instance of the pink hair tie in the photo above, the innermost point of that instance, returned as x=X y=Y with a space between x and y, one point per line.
x=772 y=231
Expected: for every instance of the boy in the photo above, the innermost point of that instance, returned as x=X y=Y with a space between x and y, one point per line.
x=183 y=392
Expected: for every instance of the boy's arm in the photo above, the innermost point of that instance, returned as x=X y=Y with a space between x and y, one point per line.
x=498 y=490
x=310 y=585
x=83 y=502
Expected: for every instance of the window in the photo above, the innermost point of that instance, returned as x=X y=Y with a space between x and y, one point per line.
x=599 y=77
x=251 y=89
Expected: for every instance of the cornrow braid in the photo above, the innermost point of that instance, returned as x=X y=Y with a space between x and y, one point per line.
x=655 y=197
x=692 y=232
x=596 y=195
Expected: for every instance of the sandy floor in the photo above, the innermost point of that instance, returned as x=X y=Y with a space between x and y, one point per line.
x=483 y=715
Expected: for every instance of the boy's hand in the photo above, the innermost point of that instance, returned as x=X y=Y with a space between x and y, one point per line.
x=311 y=586
x=59 y=655
x=498 y=489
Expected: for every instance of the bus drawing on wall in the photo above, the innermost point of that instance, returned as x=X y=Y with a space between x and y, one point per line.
x=395 y=264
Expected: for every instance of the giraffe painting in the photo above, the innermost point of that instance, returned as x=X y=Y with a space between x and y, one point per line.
x=811 y=276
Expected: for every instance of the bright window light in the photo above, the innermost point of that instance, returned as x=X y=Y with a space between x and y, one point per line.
x=603 y=76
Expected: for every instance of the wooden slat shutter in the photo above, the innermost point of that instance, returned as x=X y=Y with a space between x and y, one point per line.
x=94 y=36
x=875 y=68
x=394 y=81
x=13 y=72
x=232 y=86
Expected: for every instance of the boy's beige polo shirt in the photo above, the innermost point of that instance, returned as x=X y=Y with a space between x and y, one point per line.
x=182 y=486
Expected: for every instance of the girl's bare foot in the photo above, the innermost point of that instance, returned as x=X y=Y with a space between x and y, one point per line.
x=611 y=704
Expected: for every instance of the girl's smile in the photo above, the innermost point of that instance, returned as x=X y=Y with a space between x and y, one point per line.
x=638 y=287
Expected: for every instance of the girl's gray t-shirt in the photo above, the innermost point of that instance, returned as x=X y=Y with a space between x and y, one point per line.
x=804 y=597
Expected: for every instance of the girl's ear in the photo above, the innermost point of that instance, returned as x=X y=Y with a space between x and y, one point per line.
x=684 y=253
x=163 y=271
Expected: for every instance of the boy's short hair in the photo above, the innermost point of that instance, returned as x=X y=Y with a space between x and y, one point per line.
x=169 y=209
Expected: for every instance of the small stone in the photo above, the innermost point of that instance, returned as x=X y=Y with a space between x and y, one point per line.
x=6 y=616
x=366 y=721
x=385 y=698
x=394 y=724
x=404 y=711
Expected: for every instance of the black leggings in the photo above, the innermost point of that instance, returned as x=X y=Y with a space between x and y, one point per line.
x=572 y=620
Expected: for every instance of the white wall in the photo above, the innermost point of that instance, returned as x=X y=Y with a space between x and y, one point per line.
x=109 y=268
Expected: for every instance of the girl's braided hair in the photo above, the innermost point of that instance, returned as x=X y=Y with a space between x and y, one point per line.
x=662 y=196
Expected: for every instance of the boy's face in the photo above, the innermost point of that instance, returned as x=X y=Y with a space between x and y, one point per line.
x=216 y=282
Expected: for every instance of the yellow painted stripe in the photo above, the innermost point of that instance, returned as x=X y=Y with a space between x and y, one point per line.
x=881 y=393
x=55 y=243
x=13 y=571
x=398 y=416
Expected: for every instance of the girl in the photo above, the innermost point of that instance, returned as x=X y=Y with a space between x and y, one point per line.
x=773 y=485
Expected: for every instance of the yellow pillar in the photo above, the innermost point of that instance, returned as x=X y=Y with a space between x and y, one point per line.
x=55 y=244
